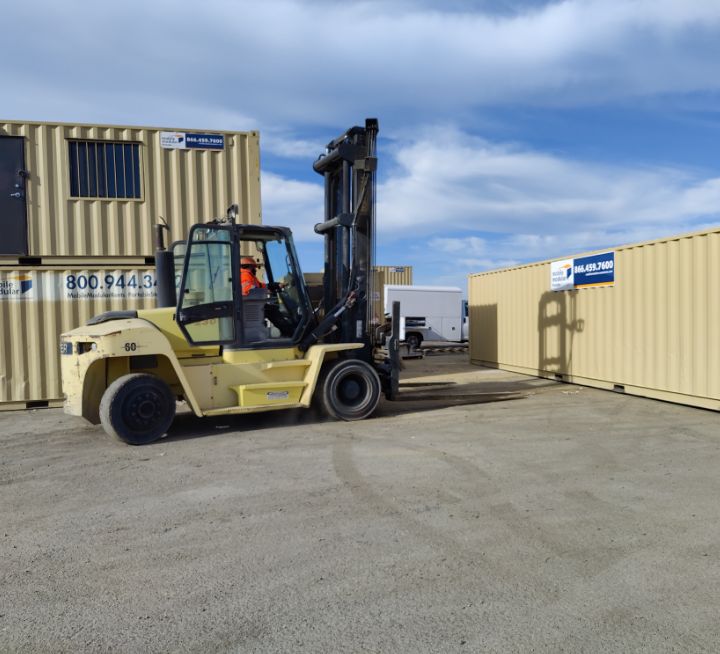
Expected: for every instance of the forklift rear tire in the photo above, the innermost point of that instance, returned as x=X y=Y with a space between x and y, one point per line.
x=350 y=390
x=137 y=408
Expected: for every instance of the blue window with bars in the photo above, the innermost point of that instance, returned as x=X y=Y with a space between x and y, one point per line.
x=105 y=169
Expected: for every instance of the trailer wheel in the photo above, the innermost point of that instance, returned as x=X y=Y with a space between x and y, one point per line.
x=349 y=390
x=413 y=341
x=137 y=408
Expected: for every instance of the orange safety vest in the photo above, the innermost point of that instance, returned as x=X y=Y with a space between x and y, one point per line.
x=248 y=281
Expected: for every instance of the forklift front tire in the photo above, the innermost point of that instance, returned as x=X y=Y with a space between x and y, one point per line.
x=137 y=409
x=350 y=390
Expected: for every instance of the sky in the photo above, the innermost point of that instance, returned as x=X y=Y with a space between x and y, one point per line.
x=510 y=130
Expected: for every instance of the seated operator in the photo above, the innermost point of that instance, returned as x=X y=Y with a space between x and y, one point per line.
x=248 y=275
x=273 y=316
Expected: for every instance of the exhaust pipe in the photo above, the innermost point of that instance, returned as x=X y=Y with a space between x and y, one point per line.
x=164 y=269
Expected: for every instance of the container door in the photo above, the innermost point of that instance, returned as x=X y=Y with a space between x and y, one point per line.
x=13 y=213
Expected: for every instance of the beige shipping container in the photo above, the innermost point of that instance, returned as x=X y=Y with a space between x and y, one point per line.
x=652 y=333
x=38 y=304
x=382 y=276
x=97 y=190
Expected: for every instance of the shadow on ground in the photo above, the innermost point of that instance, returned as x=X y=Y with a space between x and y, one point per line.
x=414 y=397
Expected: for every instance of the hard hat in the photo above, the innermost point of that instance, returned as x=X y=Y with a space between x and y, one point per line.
x=248 y=261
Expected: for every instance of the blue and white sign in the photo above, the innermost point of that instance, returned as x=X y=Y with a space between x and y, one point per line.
x=191 y=141
x=205 y=141
x=595 y=270
x=583 y=272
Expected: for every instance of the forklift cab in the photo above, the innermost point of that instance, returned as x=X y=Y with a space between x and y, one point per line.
x=212 y=308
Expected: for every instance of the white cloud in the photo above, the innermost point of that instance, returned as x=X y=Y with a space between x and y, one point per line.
x=455 y=202
x=288 y=62
x=470 y=246
x=285 y=67
x=291 y=203
x=448 y=180
x=285 y=145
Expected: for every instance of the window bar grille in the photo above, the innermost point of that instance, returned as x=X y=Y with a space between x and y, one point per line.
x=76 y=172
x=115 y=189
x=133 y=148
x=104 y=151
x=104 y=169
x=127 y=154
x=97 y=188
x=130 y=189
x=122 y=147
x=87 y=168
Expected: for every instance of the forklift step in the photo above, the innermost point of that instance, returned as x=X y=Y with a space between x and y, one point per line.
x=294 y=363
x=235 y=410
x=268 y=393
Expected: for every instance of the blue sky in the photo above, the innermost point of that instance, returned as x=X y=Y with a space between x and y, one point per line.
x=511 y=130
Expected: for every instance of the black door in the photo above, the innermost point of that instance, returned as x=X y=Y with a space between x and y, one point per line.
x=13 y=215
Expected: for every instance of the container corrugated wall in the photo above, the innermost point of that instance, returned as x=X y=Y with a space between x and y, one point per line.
x=37 y=305
x=184 y=186
x=396 y=274
x=382 y=276
x=653 y=333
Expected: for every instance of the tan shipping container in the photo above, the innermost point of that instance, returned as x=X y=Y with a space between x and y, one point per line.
x=382 y=276
x=38 y=304
x=97 y=190
x=652 y=333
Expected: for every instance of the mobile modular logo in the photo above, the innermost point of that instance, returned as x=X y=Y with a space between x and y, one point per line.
x=562 y=277
x=16 y=287
x=172 y=140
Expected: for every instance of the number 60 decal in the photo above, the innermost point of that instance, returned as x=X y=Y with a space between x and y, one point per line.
x=130 y=347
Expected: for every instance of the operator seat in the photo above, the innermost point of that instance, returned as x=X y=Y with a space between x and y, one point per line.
x=253 y=315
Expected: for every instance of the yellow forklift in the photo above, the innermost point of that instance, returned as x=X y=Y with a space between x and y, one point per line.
x=226 y=346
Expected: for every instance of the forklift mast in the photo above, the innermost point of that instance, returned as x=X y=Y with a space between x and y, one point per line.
x=349 y=166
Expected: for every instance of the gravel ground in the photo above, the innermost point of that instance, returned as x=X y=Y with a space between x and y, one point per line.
x=486 y=512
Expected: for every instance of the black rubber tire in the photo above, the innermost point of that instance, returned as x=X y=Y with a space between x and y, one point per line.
x=349 y=390
x=137 y=409
x=413 y=341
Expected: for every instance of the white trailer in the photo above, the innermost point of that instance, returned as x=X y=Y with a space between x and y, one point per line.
x=429 y=313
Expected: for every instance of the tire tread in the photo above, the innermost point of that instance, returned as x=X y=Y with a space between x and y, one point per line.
x=113 y=395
